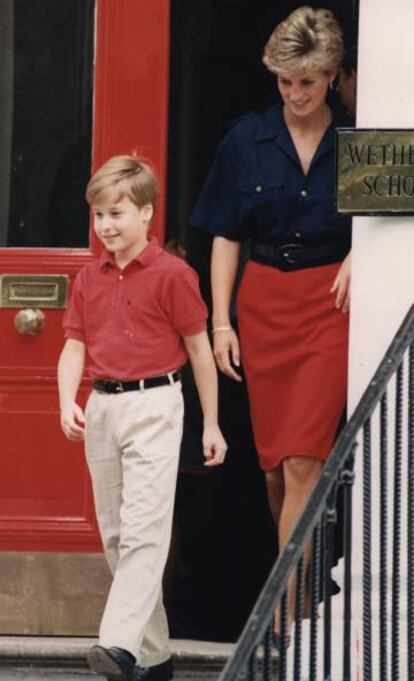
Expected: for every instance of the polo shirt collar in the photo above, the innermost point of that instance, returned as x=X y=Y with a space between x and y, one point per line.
x=149 y=253
x=145 y=257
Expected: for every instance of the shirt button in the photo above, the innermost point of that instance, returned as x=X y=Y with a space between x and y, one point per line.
x=303 y=192
x=298 y=235
x=121 y=276
x=259 y=188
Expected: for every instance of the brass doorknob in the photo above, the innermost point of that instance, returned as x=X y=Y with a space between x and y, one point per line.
x=30 y=322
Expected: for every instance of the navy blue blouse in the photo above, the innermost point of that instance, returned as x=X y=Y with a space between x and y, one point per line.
x=256 y=187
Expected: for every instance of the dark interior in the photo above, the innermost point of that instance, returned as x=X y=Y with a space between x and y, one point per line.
x=224 y=541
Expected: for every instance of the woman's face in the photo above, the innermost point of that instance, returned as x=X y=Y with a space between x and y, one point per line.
x=304 y=91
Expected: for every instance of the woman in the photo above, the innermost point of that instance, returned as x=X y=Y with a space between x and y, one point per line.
x=272 y=181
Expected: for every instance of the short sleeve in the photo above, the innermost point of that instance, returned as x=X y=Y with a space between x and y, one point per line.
x=183 y=303
x=217 y=207
x=73 y=319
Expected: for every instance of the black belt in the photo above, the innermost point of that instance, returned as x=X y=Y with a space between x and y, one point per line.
x=288 y=257
x=105 y=386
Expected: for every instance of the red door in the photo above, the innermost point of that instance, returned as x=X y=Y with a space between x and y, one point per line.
x=81 y=79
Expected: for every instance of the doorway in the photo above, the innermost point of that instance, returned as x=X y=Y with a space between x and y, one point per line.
x=224 y=542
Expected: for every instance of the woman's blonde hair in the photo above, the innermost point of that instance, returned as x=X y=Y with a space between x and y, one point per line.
x=307 y=39
x=121 y=176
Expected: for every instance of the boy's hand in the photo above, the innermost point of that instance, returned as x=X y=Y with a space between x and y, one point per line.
x=72 y=420
x=214 y=446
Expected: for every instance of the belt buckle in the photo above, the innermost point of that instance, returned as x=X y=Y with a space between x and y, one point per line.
x=289 y=253
x=119 y=388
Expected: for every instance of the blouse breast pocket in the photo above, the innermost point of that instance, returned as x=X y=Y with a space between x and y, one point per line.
x=259 y=186
x=263 y=201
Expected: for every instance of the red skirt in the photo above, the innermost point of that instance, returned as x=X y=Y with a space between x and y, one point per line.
x=294 y=346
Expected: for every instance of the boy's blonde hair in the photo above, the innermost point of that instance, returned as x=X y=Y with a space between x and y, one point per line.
x=121 y=176
x=307 y=39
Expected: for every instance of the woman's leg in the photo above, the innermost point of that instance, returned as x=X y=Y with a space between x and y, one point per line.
x=275 y=492
x=299 y=476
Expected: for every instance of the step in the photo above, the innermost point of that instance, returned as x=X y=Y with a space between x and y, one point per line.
x=62 y=651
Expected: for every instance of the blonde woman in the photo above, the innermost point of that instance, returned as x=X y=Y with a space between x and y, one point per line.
x=272 y=182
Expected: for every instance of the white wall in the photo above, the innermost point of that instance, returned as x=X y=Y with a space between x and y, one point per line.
x=383 y=248
x=383 y=259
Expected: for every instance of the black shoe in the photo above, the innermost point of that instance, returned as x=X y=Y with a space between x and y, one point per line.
x=159 y=672
x=278 y=643
x=114 y=663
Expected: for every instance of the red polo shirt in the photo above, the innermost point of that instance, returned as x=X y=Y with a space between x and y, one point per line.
x=132 y=321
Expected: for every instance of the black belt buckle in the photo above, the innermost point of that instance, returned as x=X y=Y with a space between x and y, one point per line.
x=109 y=386
x=289 y=256
x=289 y=253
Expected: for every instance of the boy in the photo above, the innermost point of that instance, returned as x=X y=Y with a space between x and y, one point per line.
x=138 y=314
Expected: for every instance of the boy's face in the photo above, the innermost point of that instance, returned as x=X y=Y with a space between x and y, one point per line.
x=122 y=227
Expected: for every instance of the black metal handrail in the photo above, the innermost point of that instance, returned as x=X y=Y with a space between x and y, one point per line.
x=255 y=655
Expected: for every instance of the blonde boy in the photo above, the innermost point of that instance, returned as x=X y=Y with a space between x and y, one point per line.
x=137 y=314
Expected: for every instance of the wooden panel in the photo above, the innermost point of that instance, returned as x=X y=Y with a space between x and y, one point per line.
x=131 y=85
x=45 y=493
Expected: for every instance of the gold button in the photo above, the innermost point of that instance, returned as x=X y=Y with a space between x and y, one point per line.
x=259 y=188
x=303 y=192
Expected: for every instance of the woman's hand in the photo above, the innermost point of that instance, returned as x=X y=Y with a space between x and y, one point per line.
x=227 y=352
x=342 y=285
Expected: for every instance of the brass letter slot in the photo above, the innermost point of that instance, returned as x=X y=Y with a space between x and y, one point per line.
x=34 y=290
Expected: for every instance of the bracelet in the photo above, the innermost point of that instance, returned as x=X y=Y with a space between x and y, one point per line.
x=221 y=328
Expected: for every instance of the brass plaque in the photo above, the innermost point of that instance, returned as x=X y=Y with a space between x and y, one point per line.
x=375 y=172
x=34 y=290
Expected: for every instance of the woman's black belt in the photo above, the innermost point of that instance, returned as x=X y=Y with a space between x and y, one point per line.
x=288 y=256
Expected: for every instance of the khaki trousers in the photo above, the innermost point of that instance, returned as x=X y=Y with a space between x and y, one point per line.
x=132 y=447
